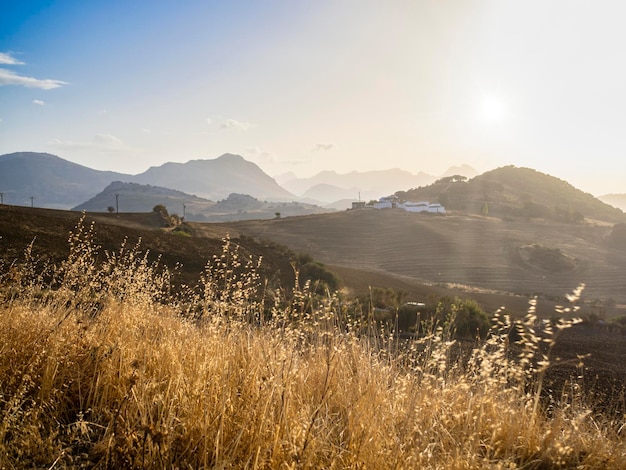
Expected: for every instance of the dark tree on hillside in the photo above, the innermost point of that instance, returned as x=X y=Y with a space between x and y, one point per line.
x=160 y=209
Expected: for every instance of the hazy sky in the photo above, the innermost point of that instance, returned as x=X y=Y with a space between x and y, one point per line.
x=305 y=86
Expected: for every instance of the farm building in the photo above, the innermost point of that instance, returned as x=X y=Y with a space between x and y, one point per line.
x=387 y=202
x=423 y=207
x=391 y=202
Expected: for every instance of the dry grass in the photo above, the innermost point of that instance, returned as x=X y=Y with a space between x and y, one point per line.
x=101 y=367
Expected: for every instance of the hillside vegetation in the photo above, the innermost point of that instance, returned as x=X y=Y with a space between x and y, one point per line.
x=516 y=192
x=103 y=367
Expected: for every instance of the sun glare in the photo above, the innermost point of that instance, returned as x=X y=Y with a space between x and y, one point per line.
x=492 y=109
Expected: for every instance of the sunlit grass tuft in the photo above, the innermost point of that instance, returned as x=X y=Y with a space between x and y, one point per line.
x=101 y=365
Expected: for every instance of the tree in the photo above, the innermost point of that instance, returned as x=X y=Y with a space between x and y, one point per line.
x=277 y=214
x=111 y=209
x=320 y=277
x=160 y=209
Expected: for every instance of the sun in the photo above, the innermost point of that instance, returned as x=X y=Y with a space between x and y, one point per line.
x=492 y=109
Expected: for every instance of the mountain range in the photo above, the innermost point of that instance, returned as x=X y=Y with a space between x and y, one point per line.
x=329 y=186
x=232 y=188
x=46 y=180
x=53 y=182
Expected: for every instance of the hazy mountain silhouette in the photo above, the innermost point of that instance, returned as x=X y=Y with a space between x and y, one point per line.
x=216 y=179
x=616 y=200
x=52 y=181
x=462 y=170
x=58 y=183
x=516 y=192
x=328 y=192
x=326 y=185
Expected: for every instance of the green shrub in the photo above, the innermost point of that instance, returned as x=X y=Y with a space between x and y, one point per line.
x=321 y=277
x=160 y=209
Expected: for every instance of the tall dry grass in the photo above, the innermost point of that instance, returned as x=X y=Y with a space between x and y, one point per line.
x=101 y=366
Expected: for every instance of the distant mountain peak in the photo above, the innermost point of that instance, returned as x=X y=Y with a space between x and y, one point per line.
x=230 y=156
x=216 y=178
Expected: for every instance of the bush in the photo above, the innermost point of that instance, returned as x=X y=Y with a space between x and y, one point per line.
x=161 y=209
x=320 y=277
x=469 y=319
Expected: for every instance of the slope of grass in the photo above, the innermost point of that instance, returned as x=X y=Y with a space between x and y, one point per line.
x=102 y=367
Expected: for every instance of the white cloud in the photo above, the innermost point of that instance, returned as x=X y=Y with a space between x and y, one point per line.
x=8 y=77
x=39 y=102
x=323 y=147
x=7 y=59
x=102 y=142
x=234 y=124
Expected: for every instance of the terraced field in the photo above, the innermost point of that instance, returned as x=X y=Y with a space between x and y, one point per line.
x=472 y=253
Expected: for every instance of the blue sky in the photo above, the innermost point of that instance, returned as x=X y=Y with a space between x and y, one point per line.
x=304 y=86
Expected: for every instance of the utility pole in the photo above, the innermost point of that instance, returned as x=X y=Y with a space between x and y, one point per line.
x=117 y=207
x=1 y=199
x=184 y=207
x=32 y=201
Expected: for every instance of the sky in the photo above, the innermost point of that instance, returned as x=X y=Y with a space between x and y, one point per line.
x=305 y=86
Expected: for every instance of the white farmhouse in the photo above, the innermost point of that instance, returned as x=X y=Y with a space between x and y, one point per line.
x=423 y=207
x=392 y=202
x=387 y=202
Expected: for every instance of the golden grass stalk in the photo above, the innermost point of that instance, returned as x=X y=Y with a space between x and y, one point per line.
x=98 y=368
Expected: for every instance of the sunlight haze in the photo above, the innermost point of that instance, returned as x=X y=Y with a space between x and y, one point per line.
x=305 y=86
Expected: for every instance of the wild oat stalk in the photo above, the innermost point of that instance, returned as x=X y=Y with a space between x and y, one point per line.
x=136 y=384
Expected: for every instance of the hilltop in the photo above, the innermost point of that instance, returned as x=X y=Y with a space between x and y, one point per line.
x=516 y=192
x=216 y=179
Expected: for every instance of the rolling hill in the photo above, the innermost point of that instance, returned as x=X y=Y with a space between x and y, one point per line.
x=135 y=197
x=473 y=253
x=516 y=192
